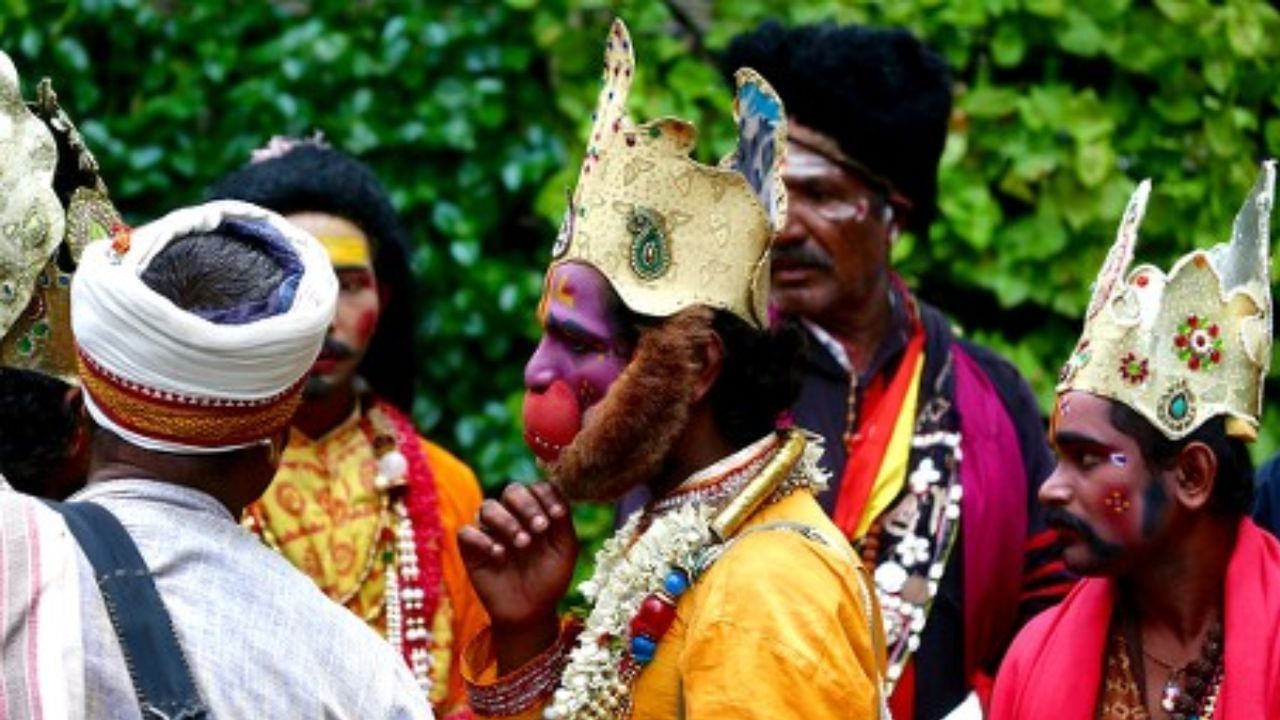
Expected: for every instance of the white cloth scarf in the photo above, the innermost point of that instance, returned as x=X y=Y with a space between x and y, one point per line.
x=137 y=334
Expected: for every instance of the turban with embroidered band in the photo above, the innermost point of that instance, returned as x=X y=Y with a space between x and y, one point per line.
x=187 y=381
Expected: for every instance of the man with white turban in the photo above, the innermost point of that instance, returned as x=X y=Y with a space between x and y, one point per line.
x=194 y=337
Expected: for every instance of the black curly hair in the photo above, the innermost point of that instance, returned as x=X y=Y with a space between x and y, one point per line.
x=759 y=379
x=315 y=178
x=881 y=94
x=36 y=428
x=1233 y=489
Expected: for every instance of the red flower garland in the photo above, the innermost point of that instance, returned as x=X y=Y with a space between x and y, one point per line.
x=423 y=506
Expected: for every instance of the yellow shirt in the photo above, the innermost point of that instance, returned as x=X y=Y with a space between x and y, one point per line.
x=323 y=513
x=776 y=628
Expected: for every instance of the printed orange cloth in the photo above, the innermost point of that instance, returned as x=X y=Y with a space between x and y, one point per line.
x=775 y=629
x=325 y=515
x=1056 y=663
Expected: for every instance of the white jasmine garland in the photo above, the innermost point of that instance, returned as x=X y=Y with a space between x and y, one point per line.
x=627 y=571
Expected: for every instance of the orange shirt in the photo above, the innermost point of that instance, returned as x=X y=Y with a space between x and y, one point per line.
x=776 y=629
x=324 y=514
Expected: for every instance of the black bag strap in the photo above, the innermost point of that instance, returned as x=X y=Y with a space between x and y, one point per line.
x=161 y=677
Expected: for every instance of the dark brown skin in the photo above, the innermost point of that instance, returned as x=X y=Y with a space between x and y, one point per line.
x=234 y=478
x=1172 y=559
x=520 y=555
x=831 y=262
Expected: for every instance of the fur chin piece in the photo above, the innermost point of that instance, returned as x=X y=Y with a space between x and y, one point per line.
x=632 y=429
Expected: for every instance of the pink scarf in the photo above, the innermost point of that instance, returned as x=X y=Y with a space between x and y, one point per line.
x=1056 y=663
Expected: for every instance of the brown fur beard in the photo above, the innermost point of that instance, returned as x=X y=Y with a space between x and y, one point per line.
x=632 y=429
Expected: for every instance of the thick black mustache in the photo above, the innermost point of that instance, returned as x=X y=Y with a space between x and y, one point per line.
x=1056 y=517
x=336 y=350
x=802 y=254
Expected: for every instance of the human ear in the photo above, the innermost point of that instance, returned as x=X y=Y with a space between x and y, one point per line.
x=1196 y=471
x=710 y=355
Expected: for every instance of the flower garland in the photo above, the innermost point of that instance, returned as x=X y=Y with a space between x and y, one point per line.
x=415 y=580
x=408 y=538
x=639 y=578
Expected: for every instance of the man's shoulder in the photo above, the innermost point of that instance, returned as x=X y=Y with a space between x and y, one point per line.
x=790 y=550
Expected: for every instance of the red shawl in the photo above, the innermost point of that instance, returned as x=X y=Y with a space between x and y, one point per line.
x=1056 y=662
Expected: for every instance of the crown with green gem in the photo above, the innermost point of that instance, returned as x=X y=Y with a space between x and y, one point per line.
x=1193 y=344
x=668 y=232
x=40 y=240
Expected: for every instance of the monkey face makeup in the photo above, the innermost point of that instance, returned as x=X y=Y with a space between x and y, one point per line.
x=1107 y=504
x=600 y=417
x=582 y=352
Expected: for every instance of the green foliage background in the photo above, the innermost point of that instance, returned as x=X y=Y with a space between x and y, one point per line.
x=474 y=113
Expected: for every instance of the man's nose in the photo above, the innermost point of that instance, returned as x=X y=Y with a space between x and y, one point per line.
x=540 y=371
x=1056 y=490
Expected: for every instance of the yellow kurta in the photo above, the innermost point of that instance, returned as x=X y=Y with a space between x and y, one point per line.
x=325 y=516
x=776 y=628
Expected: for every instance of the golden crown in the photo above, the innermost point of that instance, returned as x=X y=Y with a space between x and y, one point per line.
x=1191 y=345
x=40 y=242
x=666 y=231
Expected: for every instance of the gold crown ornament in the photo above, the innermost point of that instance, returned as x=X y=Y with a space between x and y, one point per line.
x=1193 y=344
x=668 y=232
x=46 y=165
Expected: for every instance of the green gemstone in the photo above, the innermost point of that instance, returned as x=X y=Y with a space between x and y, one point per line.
x=1178 y=406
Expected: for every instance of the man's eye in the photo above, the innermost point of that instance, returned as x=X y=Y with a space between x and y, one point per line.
x=1089 y=460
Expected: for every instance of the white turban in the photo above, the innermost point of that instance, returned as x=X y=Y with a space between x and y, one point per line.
x=168 y=379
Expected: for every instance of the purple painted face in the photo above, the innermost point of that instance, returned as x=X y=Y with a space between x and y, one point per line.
x=583 y=351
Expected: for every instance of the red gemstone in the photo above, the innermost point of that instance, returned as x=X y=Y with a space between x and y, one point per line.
x=1215 y=357
x=1213 y=331
x=1194 y=321
x=1194 y=363
x=654 y=618
x=1180 y=341
x=1141 y=280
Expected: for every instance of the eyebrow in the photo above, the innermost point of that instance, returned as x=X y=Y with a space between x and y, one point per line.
x=570 y=327
x=1076 y=439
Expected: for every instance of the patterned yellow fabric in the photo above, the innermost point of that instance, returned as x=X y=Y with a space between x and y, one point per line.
x=756 y=636
x=1121 y=696
x=325 y=516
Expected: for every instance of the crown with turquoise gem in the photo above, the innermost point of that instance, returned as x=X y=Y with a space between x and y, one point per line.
x=1193 y=344
x=667 y=232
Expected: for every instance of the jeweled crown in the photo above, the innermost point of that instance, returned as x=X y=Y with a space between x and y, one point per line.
x=666 y=231
x=1191 y=345
x=46 y=165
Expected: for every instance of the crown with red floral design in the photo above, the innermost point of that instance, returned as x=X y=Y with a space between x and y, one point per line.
x=1191 y=345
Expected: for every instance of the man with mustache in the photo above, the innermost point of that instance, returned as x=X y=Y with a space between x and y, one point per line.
x=1179 y=615
x=935 y=443
x=731 y=595
x=363 y=504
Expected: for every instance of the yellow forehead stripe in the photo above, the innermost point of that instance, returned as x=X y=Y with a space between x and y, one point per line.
x=346 y=250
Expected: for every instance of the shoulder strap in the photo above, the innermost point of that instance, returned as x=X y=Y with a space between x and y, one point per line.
x=161 y=677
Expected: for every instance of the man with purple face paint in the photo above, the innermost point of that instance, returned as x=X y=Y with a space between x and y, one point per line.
x=1179 y=614
x=731 y=594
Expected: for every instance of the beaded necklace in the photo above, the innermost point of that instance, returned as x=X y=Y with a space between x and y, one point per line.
x=641 y=574
x=1192 y=689
x=407 y=538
